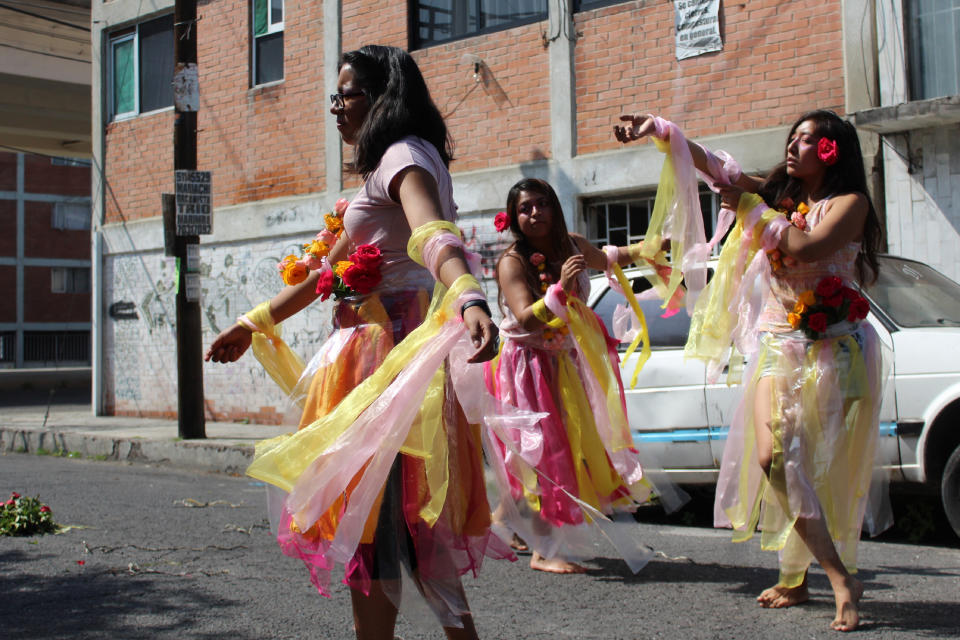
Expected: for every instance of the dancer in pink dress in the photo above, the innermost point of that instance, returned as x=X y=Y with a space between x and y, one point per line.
x=799 y=458
x=386 y=471
x=577 y=465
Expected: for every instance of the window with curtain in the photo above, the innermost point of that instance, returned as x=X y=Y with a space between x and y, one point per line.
x=934 y=36
x=267 y=41
x=140 y=68
x=436 y=21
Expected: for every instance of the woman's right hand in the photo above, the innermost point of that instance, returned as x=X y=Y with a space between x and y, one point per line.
x=640 y=126
x=229 y=345
x=571 y=268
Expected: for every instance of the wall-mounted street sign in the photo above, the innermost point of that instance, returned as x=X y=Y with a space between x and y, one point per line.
x=194 y=202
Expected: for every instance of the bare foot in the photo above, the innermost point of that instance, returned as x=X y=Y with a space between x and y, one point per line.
x=780 y=597
x=517 y=543
x=847 y=596
x=554 y=565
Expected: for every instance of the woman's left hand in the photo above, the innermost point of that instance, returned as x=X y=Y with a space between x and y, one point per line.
x=483 y=334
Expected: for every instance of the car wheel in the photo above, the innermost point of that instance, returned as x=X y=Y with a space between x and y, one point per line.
x=950 y=490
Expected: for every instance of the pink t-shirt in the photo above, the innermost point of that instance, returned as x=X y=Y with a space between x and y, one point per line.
x=374 y=218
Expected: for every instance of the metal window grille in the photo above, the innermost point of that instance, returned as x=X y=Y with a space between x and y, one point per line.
x=56 y=346
x=8 y=346
x=624 y=220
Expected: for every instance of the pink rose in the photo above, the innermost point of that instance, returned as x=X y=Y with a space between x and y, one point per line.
x=367 y=256
x=312 y=262
x=544 y=277
x=325 y=284
x=340 y=206
x=817 y=322
x=360 y=279
x=798 y=220
x=537 y=259
x=859 y=307
x=327 y=237
x=827 y=151
x=501 y=222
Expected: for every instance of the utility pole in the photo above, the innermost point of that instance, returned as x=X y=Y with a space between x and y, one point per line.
x=190 y=415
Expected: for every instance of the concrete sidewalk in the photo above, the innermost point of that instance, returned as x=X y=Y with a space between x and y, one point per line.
x=28 y=424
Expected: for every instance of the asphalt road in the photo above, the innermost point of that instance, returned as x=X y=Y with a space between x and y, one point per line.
x=156 y=553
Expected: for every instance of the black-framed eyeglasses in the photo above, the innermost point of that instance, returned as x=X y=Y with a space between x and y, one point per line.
x=337 y=99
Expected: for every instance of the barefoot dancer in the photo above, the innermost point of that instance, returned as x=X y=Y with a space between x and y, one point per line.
x=800 y=453
x=557 y=359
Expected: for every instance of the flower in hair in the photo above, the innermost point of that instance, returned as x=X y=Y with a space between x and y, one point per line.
x=501 y=222
x=827 y=151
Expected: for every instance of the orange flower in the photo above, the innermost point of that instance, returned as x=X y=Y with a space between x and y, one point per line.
x=317 y=248
x=808 y=297
x=799 y=308
x=793 y=319
x=334 y=223
x=295 y=273
x=803 y=209
x=342 y=266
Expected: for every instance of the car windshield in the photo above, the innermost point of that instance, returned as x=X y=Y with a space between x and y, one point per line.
x=664 y=332
x=915 y=295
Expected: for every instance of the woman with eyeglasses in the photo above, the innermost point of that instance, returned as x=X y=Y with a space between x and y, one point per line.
x=799 y=457
x=386 y=471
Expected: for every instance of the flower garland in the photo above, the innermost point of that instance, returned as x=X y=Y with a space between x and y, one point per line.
x=797 y=215
x=829 y=303
x=358 y=274
x=539 y=261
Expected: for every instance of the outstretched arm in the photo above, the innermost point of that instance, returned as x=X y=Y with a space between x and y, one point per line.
x=232 y=342
x=641 y=126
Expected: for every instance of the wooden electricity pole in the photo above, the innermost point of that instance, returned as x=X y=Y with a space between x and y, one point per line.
x=190 y=415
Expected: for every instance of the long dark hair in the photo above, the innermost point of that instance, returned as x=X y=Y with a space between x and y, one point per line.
x=400 y=105
x=845 y=176
x=559 y=236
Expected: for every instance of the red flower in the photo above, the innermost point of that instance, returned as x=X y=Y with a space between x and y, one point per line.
x=848 y=293
x=325 y=284
x=501 y=222
x=366 y=256
x=834 y=301
x=81 y=562
x=360 y=279
x=14 y=495
x=859 y=307
x=817 y=321
x=44 y=509
x=828 y=286
x=827 y=151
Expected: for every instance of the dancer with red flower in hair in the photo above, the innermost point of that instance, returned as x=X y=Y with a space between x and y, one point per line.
x=577 y=466
x=799 y=457
x=385 y=475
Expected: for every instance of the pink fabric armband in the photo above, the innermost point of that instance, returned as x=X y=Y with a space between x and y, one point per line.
x=772 y=232
x=435 y=245
x=556 y=300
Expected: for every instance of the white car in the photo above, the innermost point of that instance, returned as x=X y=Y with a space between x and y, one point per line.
x=915 y=309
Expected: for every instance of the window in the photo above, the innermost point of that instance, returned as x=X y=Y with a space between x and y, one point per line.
x=586 y=5
x=267 y=41
x=70 y=216
x=70 y=162
x=623 y=221
x=934 y=33
x=436 y=21
x=70 y=280
x=140 y=68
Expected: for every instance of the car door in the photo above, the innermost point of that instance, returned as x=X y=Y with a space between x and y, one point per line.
x=666 y=407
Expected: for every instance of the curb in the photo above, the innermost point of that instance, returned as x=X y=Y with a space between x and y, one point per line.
x=188 y=454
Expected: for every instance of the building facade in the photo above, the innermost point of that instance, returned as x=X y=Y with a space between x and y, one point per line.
x=530 y=88
x=44 y=261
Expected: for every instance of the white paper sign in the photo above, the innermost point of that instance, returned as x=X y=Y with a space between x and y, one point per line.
x=698 y=27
